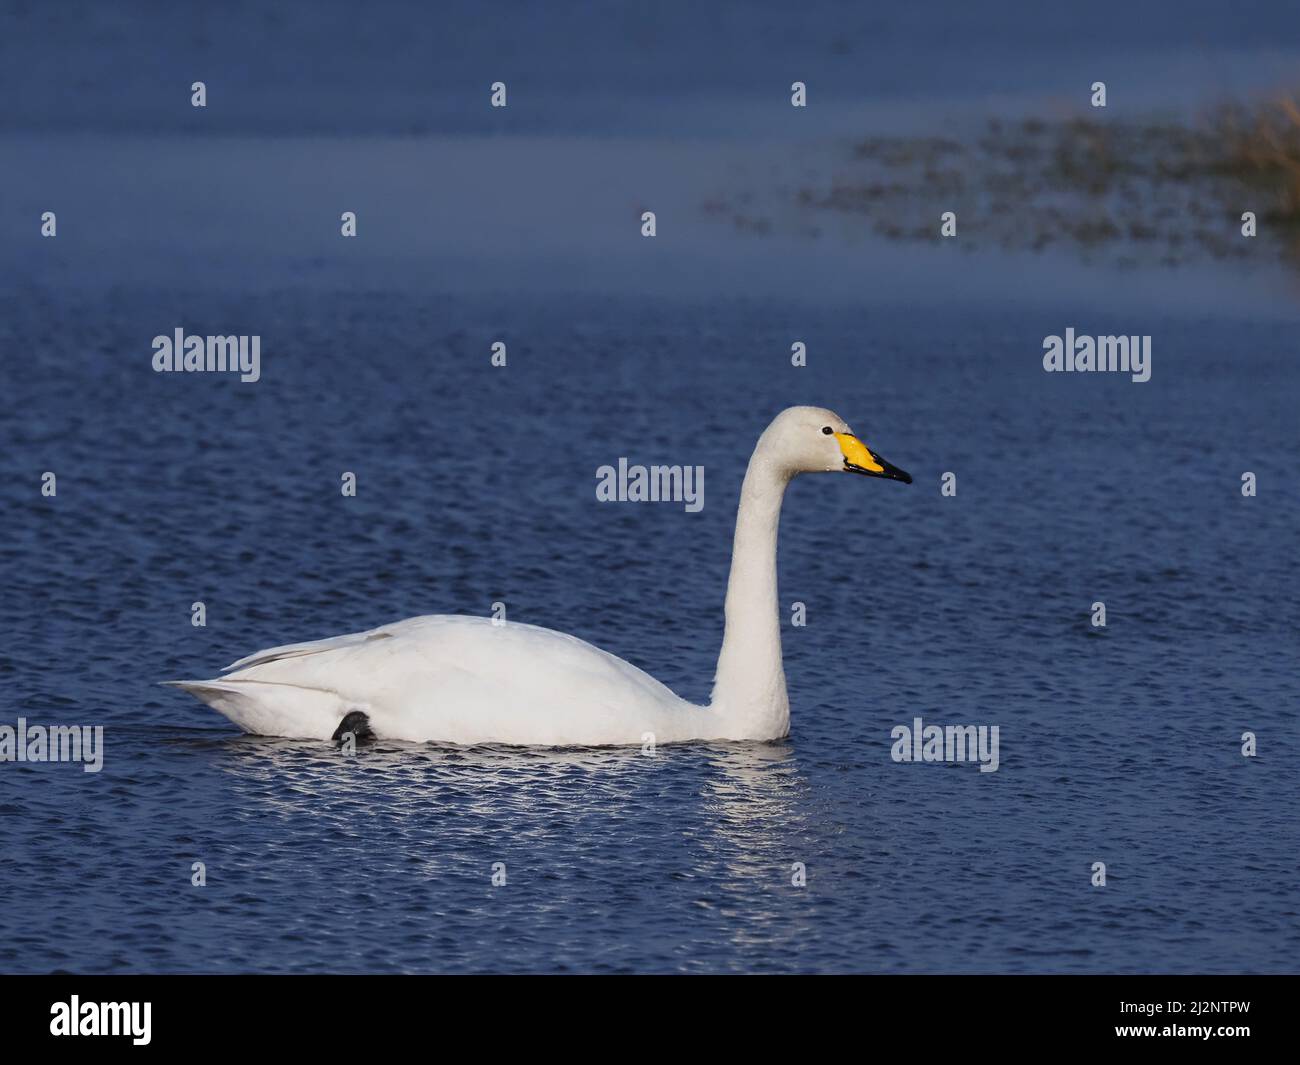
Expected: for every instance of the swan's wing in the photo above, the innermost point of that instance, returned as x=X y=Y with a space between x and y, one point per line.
x=311 y=647
x=465 y=680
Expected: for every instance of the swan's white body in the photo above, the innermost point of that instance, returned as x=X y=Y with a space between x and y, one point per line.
x=455 y=679
x=468 y=680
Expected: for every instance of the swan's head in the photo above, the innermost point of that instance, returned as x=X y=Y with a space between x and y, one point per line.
x=816 y=440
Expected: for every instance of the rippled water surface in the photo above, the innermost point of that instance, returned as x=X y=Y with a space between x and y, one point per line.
x=476 y=485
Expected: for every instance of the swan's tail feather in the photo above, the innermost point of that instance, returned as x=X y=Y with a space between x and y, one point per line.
x=268 y=709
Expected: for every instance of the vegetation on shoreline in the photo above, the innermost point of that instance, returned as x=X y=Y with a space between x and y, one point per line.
x=1136 y=191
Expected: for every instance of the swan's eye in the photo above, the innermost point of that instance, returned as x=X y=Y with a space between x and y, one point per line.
x=827 y=430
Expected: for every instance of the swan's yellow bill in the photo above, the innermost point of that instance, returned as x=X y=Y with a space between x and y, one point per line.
x=859 y=459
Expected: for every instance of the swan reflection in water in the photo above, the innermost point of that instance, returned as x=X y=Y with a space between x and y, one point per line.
x=677 y=851
x=735 y=787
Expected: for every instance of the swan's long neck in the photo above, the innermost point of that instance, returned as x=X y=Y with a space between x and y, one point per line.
x=749 y=690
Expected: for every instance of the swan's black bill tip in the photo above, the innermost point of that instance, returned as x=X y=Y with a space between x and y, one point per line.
x=887 y=470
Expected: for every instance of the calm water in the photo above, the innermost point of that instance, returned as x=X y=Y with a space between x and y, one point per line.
x=477 y=485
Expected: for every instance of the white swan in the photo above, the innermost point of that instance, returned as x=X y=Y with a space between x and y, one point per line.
x=467 y=680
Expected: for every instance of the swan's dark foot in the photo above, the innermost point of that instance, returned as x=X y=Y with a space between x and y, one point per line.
x=356 y=723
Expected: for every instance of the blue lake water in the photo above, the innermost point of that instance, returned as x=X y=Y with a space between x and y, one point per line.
x=476 y=485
